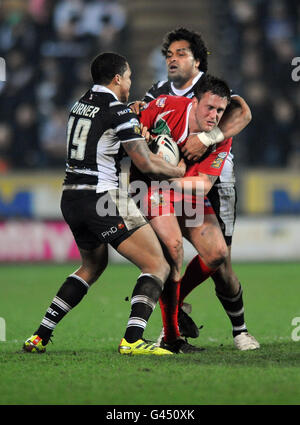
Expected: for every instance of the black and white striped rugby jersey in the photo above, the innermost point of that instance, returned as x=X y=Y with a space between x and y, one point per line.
x=166 y=87
x=98 y=125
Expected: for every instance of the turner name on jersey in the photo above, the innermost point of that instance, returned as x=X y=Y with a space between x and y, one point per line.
x=98 y=126
x=86 y=110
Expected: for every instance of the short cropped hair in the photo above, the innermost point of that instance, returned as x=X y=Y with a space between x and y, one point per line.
x=209 y=83
x=106 y=65
x=197 y=45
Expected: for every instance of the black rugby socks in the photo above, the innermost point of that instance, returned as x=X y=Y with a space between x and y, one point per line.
x=143 y=301
x=69 y=295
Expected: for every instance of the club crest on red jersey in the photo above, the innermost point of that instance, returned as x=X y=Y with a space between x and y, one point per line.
x=161 y=101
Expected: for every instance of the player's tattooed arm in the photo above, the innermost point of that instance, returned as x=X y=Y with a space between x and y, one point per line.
x=212 y=179
x=138 y=151
x=236 y=117
x=151 y=164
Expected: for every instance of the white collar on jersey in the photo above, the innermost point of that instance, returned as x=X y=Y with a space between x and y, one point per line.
x=103 y=89
x=184 y=91
x=186 y=129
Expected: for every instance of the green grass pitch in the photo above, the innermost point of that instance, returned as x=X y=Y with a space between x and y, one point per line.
x=83 y=367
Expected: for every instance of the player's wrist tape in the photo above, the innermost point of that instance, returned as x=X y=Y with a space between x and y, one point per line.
x=212 y=137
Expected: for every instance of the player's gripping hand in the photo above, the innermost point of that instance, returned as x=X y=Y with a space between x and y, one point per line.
x=137 y=106
x=181 y=164
x=145 y=133
x=193 y=149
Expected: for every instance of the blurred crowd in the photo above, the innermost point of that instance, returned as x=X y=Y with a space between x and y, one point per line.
x=48 y=46
x=265 y=36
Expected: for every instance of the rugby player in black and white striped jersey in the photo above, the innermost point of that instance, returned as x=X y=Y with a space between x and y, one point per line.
x=100 y=129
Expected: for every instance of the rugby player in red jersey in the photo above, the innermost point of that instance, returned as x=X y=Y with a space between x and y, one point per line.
x=179 y=117
x=186 y=62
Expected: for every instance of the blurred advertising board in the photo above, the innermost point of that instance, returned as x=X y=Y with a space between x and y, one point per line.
x=32 y=228
x=270 y=192
x=35 y=196
x=255 y=239
x=33 y=241
x=266 y=239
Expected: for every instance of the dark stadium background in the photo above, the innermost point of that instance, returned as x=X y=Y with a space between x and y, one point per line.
x=47 y=47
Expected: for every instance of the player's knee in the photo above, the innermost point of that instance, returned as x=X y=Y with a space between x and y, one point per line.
x=95 y=276
x=157 y=266
x=226 y=280
x=218 y=256
x=92 y=278
x=93 y=272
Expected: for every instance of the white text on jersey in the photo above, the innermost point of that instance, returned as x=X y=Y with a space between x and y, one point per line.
x=85 y=110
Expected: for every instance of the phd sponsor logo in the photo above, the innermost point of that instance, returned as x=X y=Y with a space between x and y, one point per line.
x=109 y=232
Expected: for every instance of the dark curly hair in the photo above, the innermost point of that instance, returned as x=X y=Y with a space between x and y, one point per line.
x=209 y=83
x=197 y=45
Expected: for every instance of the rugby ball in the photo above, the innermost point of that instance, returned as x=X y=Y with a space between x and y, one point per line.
x=168 y=149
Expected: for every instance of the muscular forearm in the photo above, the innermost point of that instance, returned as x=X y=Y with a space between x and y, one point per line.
x=196 y=184
x=160 y=169
x=149 y=163
x=235 y=118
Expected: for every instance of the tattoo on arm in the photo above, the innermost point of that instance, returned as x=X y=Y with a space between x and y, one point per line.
x=137 y=148
x=150 y=163
x=212 y=178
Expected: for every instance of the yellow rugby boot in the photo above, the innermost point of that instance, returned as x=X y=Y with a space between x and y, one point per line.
x=141 y=347
x=34 y=344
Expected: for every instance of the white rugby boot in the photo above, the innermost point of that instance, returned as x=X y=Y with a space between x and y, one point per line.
x=244 y=341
